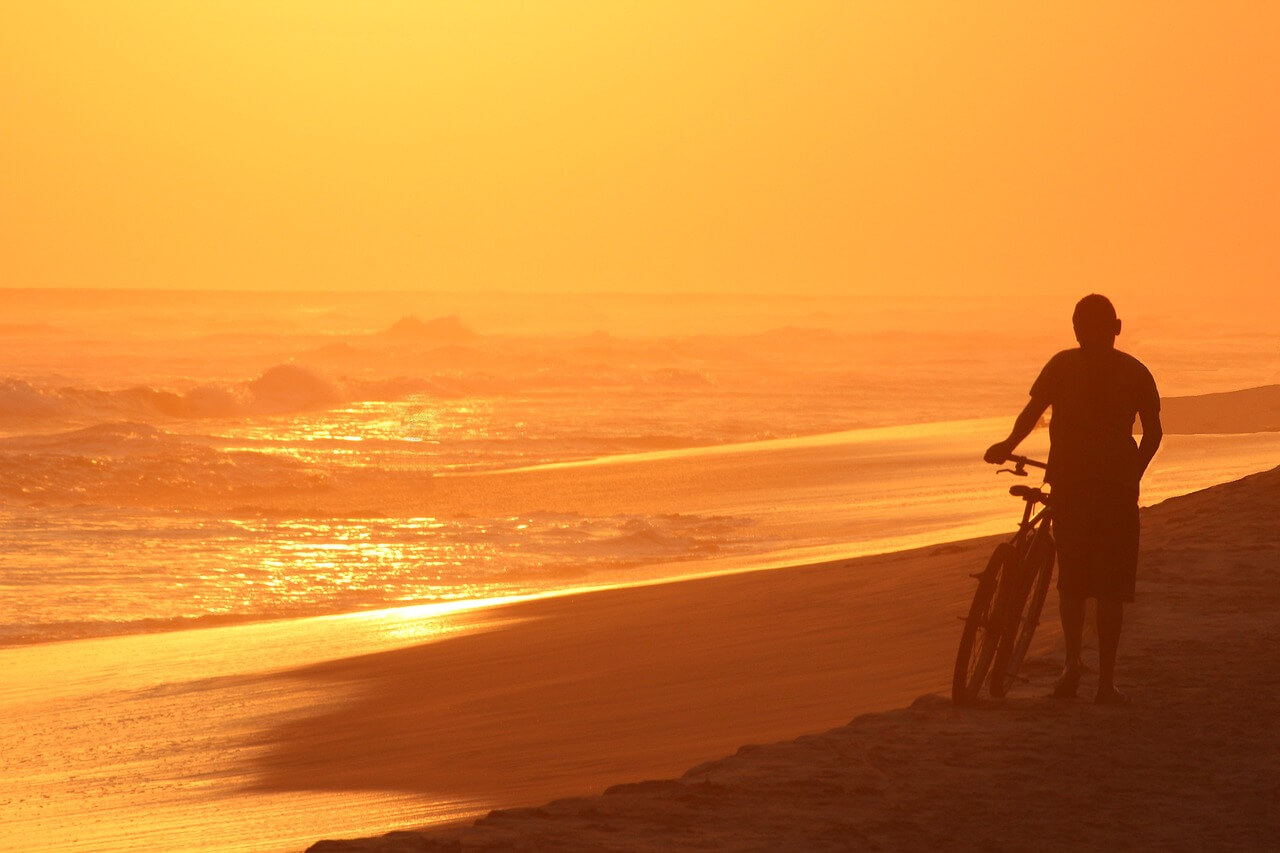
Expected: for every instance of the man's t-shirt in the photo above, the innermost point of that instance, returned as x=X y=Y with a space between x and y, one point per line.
x=1095 y=396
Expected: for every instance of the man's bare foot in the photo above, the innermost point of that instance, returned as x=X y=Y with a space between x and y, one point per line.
x=1068 y=682
x=1110 y=696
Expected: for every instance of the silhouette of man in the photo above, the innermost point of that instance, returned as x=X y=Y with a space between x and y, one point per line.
x=1094 y=468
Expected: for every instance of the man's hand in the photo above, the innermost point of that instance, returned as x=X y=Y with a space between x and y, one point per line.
x=1022 y=427
x=998 y=452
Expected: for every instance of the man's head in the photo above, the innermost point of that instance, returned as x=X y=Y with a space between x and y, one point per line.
x=1095 y=322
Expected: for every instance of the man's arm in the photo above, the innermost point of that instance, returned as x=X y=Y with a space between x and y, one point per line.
x=1152 y=432
x=1022 y=428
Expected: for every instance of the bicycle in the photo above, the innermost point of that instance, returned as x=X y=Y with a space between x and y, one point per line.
x=1011 y=592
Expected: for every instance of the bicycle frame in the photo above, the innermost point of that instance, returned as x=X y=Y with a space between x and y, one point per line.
x=1031 y=496
x=1006 y=605
x=1024 y=582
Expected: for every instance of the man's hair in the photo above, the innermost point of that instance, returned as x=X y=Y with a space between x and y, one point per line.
x=1094 y=312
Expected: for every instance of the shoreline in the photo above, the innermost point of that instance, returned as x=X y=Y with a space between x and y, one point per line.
x=84 y=718
x=573 y=694
x=939 y=495
x=567 y=695
x=921 y=773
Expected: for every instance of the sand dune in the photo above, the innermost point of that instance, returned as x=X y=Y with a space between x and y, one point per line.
x=663 y=674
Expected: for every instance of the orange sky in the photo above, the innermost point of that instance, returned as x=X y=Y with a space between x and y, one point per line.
x=931 y=148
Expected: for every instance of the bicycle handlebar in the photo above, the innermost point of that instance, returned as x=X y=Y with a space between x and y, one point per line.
x=1020 y=464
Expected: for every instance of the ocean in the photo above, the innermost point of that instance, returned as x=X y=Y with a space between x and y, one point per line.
x=202 y=492
x=171 y=461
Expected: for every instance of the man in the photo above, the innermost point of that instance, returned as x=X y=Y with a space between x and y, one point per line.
x=1094 y=467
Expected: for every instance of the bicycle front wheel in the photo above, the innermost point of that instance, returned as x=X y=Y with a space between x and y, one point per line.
x=1023 y=615
x=982 y=630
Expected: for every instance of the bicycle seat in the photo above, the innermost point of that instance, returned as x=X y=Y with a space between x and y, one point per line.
x=1027 y=493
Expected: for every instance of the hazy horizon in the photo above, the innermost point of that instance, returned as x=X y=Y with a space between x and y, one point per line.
x=921 y=149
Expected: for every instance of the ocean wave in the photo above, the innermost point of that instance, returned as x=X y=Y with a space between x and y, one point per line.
x=448 y=330
x=133 y=463
x=295 y=389
x=281 y=389
x=98 y=440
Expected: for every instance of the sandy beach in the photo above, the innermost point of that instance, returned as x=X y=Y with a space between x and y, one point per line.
x=625 y=687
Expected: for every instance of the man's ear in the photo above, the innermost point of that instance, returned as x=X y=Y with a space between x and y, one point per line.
x=1117 y=327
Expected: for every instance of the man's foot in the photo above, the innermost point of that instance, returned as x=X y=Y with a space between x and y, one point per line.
x=1067 y=683
x=1110 y=696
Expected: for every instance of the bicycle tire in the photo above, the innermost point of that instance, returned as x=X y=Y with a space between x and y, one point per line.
x=981 y=634
x=1023 y=613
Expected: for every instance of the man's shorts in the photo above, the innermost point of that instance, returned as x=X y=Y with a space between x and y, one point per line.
x=1096 y=528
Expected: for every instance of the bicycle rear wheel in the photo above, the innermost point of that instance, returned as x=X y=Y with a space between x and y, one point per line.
x=1023 y=612
x=982 y=631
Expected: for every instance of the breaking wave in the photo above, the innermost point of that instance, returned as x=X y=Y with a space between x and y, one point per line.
x=135 y=463
x=283 y=389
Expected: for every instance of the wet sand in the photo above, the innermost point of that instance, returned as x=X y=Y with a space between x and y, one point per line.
x=574 y=693
x=624 y=686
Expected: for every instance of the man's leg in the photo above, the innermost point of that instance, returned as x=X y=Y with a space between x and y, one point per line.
x=1110 y=620
x=1071 y=611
